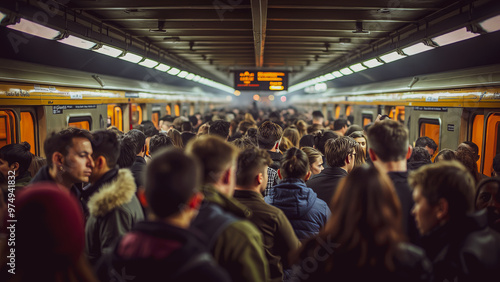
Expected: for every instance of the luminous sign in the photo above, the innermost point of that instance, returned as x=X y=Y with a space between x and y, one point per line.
x=261 y=80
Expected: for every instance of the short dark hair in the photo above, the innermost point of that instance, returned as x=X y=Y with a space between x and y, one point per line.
x=424 y=141
x=138 y=138
x=448 y=180
x=106 y=144
x=446 y=155
x=295 y=163
x=149 y=128
x=62 y=141
x=420 y=154
x=473 y=146
x=167 y=118
x=159 y=141
x=268 y=134
x=17 y=153
x=320 y=139
x=127 y=151
x=353 y=128
x=389 y=140
x=172 y=177
x=317 y=114
x=340 y=123
x=186 y=126
x=219 y=128
x=496 y=164
x=307 y=140
x=251 y=162
x=337 y=150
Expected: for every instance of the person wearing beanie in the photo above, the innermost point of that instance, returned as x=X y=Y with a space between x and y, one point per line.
x=49 y=237
x=163 y=248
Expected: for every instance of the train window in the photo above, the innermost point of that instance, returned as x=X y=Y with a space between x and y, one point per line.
x=337 y=112
x=367 y=118
x=168 y=108
x=155 y=118
x=80 y=122
x=7 y=128
x=477 y=135
x=430 y=128
x=397 y=113
x=348 y=111
x=136 y=114
x=177 y=110
x=28 y=130
x=118 y=117
x=492 y=146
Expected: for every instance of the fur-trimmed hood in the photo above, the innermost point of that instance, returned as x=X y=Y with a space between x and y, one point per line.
x=113 y=194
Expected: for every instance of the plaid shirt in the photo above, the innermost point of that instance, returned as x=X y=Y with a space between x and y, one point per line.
x=271 y=180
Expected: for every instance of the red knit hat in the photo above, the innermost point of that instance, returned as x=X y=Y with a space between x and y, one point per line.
x=49 y=225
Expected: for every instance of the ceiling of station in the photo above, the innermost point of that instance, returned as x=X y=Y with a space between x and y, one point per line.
x=303 y=37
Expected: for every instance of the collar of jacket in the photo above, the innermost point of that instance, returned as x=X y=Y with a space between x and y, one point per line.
x=334 y=171
x=297 y=181
x=140 y=159
x=23 y=178
x=247 y=194
x=227 y=204
x=90 y=189
x=44 y=175
x=113 y=194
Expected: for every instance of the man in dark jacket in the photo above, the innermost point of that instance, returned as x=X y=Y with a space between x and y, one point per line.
x=139 y=164
x=458 y=241
x=113 y=206
x=235 y=242
x=164 y=249
x=278 y=235
x=340 y=156
x=269 y=138
x=69 y=160
x=389 y=150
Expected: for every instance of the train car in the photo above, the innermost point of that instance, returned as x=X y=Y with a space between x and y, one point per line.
x=449 y=107
x=36 y=100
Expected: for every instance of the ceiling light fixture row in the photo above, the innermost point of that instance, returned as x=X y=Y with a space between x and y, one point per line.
x=32 y=28
x=489 y=25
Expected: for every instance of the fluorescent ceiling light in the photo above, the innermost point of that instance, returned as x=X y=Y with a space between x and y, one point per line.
x=108 y=50
x=131 y=57
x=190 y=76
x=391 y=57
x=148 y=63
x=35 y=29
x=417 y=48
x=329 y=76
x=491 y=24
x=173 y=71
x=337 y=74
x=346 y=71
x=78 y=42
x=182 y=74
x=357 y=67
x=196 y=78
x=372 y=63
x=162 y=67
x=454 y=36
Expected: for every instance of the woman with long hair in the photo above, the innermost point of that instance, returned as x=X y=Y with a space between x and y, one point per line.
x=363 y=239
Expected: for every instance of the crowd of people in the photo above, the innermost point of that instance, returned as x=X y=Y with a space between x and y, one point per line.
x=246 y=195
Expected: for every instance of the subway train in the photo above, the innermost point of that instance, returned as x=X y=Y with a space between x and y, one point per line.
x=448 y=107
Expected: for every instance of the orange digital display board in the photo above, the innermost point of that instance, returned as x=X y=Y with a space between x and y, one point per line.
x=261 y=80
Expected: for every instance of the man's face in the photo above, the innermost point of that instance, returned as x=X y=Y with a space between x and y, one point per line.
x=78 y=163
x=4 y=168
x=489 y=198
x=430 y=150
x=166 y=125
x=425 y=215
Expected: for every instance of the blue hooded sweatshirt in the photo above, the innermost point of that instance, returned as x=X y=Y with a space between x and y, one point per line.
x=305 y=211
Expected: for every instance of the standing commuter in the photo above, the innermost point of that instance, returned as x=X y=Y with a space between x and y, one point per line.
x=235 y=242
x=269 y=137
x=139 y=165
x=340 y=126
x=113 y=206
x=456 y=239
x=163 y=248
x=69 y=160
x=305 y=211
x=389 y=150
x=15 y=160
x=363 y=239
x=426 y=143
x=278 y=236
x=340 y=157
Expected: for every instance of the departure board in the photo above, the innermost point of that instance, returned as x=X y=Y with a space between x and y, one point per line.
x=260 y=80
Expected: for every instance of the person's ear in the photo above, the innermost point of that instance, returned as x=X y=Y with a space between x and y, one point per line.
x=58 y=160
x=308 y=175
x=226 y=176
x=373 y=157
x=279 y=174
x=14 y=166
x=259 y=178
x=410 y=150
x=442 y=209
x=100 y=162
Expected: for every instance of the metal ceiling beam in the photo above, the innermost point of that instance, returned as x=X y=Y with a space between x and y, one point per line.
x=259 y=20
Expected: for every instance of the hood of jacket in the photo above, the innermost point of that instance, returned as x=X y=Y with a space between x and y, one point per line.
x=293 y=197
x=113 y=194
